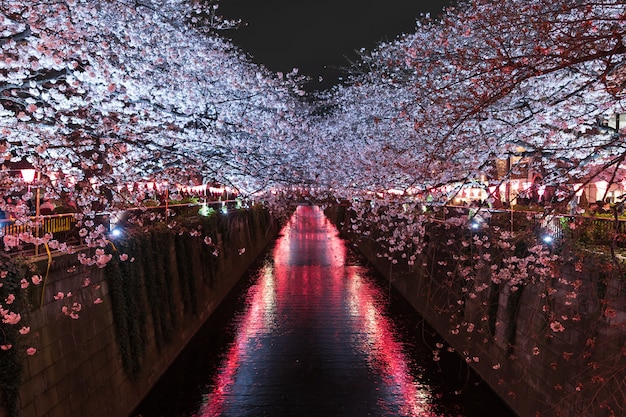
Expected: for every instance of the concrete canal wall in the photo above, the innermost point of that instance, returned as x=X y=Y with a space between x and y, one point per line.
x=507 y=335
x=133 y=317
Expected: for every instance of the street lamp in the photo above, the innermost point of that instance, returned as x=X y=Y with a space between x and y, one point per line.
x=28 y=174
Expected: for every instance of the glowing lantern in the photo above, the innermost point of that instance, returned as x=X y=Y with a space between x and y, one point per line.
x=28 y=175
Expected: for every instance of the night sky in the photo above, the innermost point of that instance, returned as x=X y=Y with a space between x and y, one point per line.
x=319 y=37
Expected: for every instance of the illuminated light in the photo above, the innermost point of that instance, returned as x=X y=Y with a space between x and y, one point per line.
x=116 y=232
x=199 y=189
x=205 y=210
x=224 y=209
x=601 y=187
x=475 y=225
x=547 y=239
x=28 y=175
x=541 y=191
x=579 y=188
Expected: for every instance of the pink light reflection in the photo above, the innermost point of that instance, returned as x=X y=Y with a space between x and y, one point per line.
x=309 y=263
x=258 y=318
x=384 y=351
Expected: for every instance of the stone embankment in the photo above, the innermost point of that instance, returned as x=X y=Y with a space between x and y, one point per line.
x=553 y=346
x=102 y=347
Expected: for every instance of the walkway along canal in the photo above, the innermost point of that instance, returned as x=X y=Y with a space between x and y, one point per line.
x=313 y=332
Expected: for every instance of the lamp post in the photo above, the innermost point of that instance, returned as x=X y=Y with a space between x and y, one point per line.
x=28 y=175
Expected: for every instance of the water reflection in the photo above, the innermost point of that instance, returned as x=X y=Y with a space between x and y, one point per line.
x=315 y=338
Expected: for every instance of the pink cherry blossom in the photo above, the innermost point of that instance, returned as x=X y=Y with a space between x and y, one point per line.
x=556 y=326
x=11 y=318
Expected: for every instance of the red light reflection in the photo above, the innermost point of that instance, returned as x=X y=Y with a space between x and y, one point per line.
x=309 y=270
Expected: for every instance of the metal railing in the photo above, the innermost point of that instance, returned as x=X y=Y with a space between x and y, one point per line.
x=60 y=226
x=53 y=223
x=588 y=229
x=63 y=228
x=592 y=230
x=584 y=229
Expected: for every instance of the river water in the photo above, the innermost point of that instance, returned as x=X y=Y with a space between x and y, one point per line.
x=313 y=332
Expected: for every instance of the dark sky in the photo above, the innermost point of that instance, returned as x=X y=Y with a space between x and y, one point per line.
x=319 y=36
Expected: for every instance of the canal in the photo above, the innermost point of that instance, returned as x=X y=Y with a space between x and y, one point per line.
x=312 y=331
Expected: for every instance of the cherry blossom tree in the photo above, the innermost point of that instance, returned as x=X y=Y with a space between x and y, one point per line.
x=436 y=109
x=114 y=92
x=484 y=80
x=99 y=94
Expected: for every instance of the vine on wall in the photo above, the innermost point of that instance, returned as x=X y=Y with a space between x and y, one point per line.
x=186 y=278
x=125 y=283
x=142 y=277
x=15 y=285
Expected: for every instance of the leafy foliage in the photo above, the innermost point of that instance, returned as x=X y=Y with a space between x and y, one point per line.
x=14 y=283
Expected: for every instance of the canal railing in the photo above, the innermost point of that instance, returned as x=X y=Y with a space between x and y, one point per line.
x=63 y=227
x=603 y=230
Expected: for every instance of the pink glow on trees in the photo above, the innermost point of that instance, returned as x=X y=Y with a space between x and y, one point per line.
x=116 y=93
x=100 y=94
x=435 y=109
